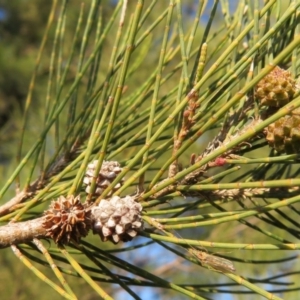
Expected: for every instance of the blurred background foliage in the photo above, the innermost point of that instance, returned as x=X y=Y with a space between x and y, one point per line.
x=22 y=26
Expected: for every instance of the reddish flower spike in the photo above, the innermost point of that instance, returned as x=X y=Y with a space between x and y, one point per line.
x=220 y=161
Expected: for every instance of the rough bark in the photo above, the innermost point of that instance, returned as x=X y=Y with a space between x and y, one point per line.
x=21 y=232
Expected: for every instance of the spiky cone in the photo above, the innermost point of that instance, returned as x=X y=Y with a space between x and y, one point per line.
x=284 y=134
x=276 y=89
x=67 y=219
x=108 y=172
x=117 y=219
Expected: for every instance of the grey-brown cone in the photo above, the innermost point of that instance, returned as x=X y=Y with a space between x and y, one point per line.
x=117 y=219
x=108 y=172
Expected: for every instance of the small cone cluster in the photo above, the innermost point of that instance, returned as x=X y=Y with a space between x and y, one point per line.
x=114 y=219
x=274 y=91
x=108 y=172
x=67 y=219
x=117 y=219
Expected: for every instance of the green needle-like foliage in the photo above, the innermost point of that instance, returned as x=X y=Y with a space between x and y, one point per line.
x=185 y=98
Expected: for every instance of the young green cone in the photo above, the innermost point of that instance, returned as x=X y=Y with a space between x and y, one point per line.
x=284 y=134
x=276 y=89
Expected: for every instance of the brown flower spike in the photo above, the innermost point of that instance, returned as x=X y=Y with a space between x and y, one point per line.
x=67 y=219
